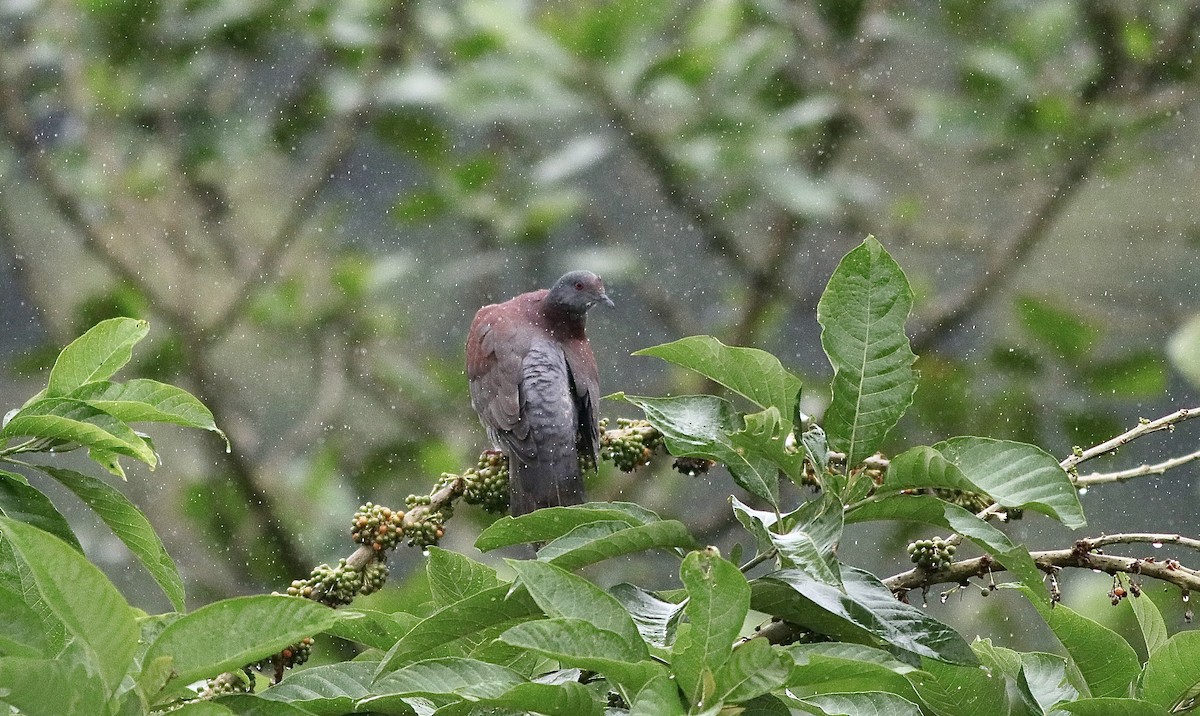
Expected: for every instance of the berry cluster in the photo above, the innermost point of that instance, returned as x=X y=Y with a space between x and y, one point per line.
x=429 y=528
x=377 y=527
x=931 y=555
x=487 y=482
x=332 y=586
x=375 y=575
x=632 y=446
x=294 y=655
x=231 y=682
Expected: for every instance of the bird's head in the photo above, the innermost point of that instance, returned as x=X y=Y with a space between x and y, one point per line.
x=578 y=291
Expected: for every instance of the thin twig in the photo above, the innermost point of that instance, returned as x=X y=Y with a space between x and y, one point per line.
x=1142 y=428
x=1048 y=561
x=1143 y=470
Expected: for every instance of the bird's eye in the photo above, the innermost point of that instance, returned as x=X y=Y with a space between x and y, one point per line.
x=579 y=287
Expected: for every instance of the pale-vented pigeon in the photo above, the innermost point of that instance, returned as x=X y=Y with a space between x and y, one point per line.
x=535 y=386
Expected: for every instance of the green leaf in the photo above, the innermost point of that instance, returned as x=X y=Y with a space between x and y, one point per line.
x=562 y=594
x=76 y=421
x=702 y=426
x=756 y=522
x=862 y=315
x=202 y=708
x=752 y=373
x=952 y=690
x=580 y=644
x=250 y=628
x=1111 y=706
x=379 y=630
x=939 y=513
x=96 y=355
x=865 y=612
x=259 y=705
x=325 y=689
x=23 y=633
x=1172 y=673
x=718 y=601
x=149 y=401
x=568 y=698
x=129 y=525
x=50 y=687
x=454 y=577
x=549 y=524
x=22 y=502
x=868 y=703
x=812 y=539
x=597 y=541
x=659 y=696
x=832 y=667
x=90 y=608
x=462 y=619
x=465 y=678
x=1064 y=332
x=1150 y=621
x=1017 y=474
x=753 y=669
x=1142 y=374
x=1107 y=662
x=1046 y=677
x=656 y=619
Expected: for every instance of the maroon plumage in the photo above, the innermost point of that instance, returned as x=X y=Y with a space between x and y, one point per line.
x=535 y=386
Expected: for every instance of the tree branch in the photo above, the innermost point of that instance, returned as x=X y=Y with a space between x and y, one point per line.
x=1144 y=427
x=1049 y=562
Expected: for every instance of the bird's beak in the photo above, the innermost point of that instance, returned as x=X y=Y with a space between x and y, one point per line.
x=607 y=301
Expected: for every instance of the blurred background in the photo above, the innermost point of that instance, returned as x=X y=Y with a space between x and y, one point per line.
x=309 y=199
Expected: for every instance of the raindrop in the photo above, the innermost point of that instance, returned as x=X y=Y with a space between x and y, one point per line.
x=1187 y=597
x=1156 y=545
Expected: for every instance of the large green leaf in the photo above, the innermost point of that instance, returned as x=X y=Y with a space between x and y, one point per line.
x=952 y=690
x=379 y=630
x=88 y=605
x=144 y=400
x=811 y=539
x=866 y=612
x=1107 y=662
x=327 y=689
x=862 y=315
x=567 y=698
x=75 y=421
x=96 y=355
x=656 y=619
x=1112 y=707
x=50 y=687
x=23 y=634
x=249 y=629
x=753 y=669
x=554 y=522
x=597 y=541
x=129 y=525
x=562 y=594
x=461 y=620
x=939 y=513
x=454 y=577
x=1016 y=475
x=464 y=678
x=831 y=667
x=21 y=501
x=752 y=373
x=580 y=644
x=1172 y=673
x=702 y=426
x=868 y=703
x=1150 y=621
x=718 y=601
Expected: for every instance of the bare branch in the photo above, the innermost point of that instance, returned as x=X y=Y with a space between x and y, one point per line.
x=1049 y=561
x=1143 y=470
x=1143 y=428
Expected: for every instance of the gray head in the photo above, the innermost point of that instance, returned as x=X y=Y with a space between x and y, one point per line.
x=578 y=291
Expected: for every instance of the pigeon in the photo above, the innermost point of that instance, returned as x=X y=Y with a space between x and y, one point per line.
x=535 y=385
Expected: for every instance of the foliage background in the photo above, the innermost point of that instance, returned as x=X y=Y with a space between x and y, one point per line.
x=309 y=200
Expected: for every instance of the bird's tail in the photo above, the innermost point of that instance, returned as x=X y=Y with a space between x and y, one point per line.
x=536 y=484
